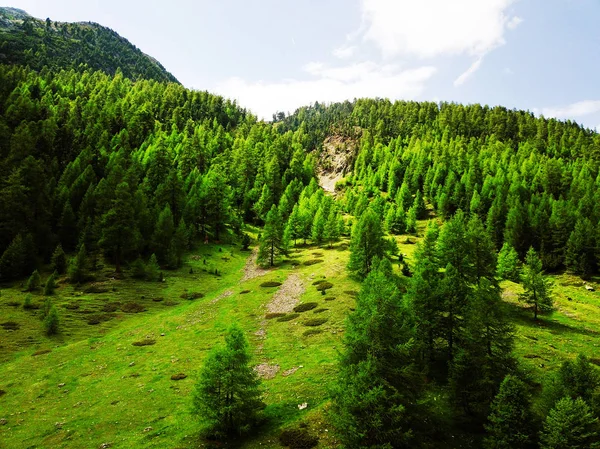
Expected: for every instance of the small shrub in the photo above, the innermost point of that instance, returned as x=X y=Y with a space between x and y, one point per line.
x=298 y=439
x=244 y=292
x=10 y=326
x=13 y=303
x=138 y=269
x=51 y=321
x=306 y=307
x=98 y=318
x=352 y=293
x=324 y=286
x=330 y=298
x=270 y=316
x=132 y=307
x=144 y=342
x=313 y=322
x=179 y=376
x=28 y=303
x=171 y=303
x=191 y=295
x=50 y=284
x=158 y=299
x=46 y=308
x=318 y=282
x=270 y=284
x=309 y=332
x=288 y=317
x=320 y=310
x=34 y=281
x=72 y=306
x=110 y=307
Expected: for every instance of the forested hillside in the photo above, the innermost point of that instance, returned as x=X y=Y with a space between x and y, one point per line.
x=441 y=297
x=54 y=45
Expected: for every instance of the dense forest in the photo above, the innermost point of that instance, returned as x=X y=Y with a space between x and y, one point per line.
x=107 y=160
x=39 y=44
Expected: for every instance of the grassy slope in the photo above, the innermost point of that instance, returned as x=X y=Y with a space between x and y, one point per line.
x=122 y=394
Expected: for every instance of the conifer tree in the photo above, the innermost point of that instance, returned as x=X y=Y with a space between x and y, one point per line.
x=366 y=243
x=537 y=287
x=59 y=260
x=78 y=267
x=228 y=393
x=580 y=255
x=378 y=386
x=331 y=232
x=153 y=269
x=50 y=285
x=273 y=243
x=570 y=424
x=511 y=422
x=12 y=262
x=119 y=229
x=34 y=282
x=294 y=224
x=411 y=220
x=68 y=227
x=318 y=226
x=51 y=321
x=162 y=238
x=508 y=263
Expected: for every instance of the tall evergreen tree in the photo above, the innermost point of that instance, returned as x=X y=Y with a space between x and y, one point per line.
x=59 y=260
x=119 y=230
x=570 y=424
x=508 y=263
x=273 y=243
x=537 y=287
x=228 y=394
x=366 y=243
x=580 y=255
x=511 y=422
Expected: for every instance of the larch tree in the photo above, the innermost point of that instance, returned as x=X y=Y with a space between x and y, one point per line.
x=537 y=287
x=273 y=242
x=366 y=243
x=228 y=397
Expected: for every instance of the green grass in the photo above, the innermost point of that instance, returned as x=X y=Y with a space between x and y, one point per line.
x=116 y=392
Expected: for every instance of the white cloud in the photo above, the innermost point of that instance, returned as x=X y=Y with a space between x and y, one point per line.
x=345 y=51
x=428 y=28
x=330 y=84
x=468 y=73
x=579 y=109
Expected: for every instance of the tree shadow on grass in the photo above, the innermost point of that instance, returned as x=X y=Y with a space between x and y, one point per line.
x=524 y=316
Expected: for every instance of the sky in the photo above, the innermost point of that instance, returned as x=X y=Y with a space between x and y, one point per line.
x=278 y=55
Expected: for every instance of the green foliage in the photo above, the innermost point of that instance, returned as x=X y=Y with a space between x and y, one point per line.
x=580 y=255
x=50 y=285
x=366 y=243
x=511 y=423
x=376 y=391
x=59 y=260
x=12 y=262
x=34 y=282
x=51 y=322
x=153 y=269
x=28 y=302
x=508 y=263
x=537 y=287
x=272 y=244
x=570 y=424
x=228 y=395
x=78 y=267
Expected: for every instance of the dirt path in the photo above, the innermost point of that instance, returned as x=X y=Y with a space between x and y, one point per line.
x=285 y=299
x=251 y=269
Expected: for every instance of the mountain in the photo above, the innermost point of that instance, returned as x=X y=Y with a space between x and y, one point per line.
x=41 y=44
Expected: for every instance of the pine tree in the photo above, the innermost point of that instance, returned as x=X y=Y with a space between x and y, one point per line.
x=294 y=224
x=153 y=269
x=119 y=229
x=163 y=234
x=537 y=287
x=331 y=232
x=411 y=220
x=511 y=422
x=481 y=249
x=68 y=227
x=51 y=321
x=570 y=424
x=78 y=267
x=12 y=262
x=580 y=255
x=318 y=226
x=59 y=260
x=228 y=394
x=272 y=243
x=50 y=285
x=366 y=243
x=34 y=282
x=508 y=263
x=180 y=242
x=378 y=386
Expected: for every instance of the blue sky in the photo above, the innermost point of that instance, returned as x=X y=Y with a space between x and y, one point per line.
x=541 y=55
